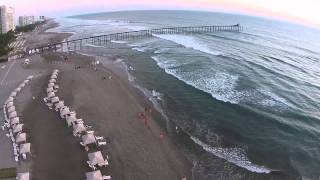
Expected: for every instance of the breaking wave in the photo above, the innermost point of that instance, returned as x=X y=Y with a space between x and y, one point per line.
x=234 y=155
x=189 y=42
x=219 y=84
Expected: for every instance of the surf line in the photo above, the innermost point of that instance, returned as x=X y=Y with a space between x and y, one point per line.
x=9 y=69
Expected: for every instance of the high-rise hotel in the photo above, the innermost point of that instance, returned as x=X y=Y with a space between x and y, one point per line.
x=7 y=19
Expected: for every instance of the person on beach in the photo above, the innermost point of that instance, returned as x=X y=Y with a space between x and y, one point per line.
x=146 y=123
x=161 y=136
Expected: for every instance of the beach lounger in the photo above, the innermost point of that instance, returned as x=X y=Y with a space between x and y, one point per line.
x=105 y=164
x=100 y=138
x=91 y=166
x=102 y=143
x=106 y=177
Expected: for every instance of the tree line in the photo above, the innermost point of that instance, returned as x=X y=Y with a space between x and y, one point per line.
x=10 y=36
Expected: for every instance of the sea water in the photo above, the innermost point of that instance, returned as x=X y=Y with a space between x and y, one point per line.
x=248 y=100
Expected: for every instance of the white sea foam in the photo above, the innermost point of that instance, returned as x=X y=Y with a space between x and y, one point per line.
x=125 y=24
x=270 y=99
x=156 y=94
x=119 y=42
x=140 y=49
x=189 y=42
x=92 y=45
x=131 y=78
x=236 y=156
x=220 y=85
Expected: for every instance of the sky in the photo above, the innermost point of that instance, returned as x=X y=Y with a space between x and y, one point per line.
x=306 y=12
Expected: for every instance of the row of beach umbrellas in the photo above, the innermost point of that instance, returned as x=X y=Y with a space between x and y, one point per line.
x=80 y=129
x=15 y=128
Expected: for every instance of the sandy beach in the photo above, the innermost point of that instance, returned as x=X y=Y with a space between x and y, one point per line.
x=103 y=100
x=42 y=38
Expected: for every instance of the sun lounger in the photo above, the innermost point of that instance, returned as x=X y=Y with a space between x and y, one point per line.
x=91 y=166
x=105 y=163
x=102 y=143
x=106 y=177
x=16 y=158
x=24 y=156
x=100 y=138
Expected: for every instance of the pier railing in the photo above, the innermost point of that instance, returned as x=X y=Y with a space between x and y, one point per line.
x=73 y=45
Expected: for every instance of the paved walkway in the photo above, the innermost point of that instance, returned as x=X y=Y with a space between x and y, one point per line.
x=11 y=74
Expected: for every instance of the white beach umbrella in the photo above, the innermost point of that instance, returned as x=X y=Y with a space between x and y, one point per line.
x=18 y=89
x=78 y=128
x=30 y=77
x=25 y=148
x=13 y=94
x=11 y=109
x=22 y=137
x=9 y=104
x=56 y=70
x=64 y=111
x=96 y=158
x=23 y=176
x=26 y=81
x=9 y=99
x=51 y=94
x=71 y=119
x=59 y=105
x=53 y=76
x=17 y=128
x=55 y=99
x=50 y=85
x=52 y=81
x=14 y=121
x=22 y=85
x=88 y=139
x=94 y=175
x=13 y=114
x=50 y=89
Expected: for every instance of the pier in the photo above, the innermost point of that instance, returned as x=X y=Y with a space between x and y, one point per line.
x=76 y=44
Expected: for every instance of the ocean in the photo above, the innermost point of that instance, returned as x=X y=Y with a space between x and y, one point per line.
x=248 y=101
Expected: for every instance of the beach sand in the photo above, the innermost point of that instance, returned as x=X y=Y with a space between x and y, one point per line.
x=42 y=38
x=105 y=101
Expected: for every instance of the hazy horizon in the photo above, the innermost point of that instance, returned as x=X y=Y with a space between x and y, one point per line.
x=301 y=12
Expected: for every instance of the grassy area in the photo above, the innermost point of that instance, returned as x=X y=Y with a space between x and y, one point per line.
x=8 y=173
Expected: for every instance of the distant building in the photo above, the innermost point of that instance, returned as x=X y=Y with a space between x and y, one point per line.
x=6 y=19
x=26 y=20
x=42 y=18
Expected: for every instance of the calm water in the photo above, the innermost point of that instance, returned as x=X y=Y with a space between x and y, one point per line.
x=251 y=98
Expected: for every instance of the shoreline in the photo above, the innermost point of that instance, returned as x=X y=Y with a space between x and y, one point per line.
x=176 y=158
x=139 y=96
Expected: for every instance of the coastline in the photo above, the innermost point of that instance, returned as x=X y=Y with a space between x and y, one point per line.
x=153 y=158
x=72 y=79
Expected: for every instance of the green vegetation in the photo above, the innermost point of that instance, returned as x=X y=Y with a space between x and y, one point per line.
x=28 y=28
x=5 y=40
x=8 y=173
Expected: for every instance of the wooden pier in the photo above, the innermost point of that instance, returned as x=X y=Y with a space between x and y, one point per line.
x=73 y=45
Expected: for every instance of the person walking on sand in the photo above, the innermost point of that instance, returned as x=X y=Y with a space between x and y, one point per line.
x=146 y=122
x=161 y=136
